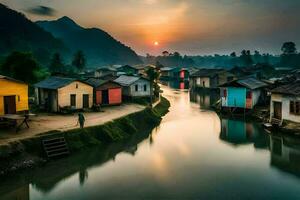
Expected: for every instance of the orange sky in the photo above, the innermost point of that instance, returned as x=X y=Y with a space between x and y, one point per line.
x=190 y=27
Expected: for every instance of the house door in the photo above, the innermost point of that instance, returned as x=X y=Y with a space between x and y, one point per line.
x=73 y=100
x=86 y=101
x=105 y=98
x=10 y=105
x=277 y=110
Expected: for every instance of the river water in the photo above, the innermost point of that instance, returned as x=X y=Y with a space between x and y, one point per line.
x=192 y=154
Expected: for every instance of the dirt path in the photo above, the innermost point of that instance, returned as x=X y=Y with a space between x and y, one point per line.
x=46 y=122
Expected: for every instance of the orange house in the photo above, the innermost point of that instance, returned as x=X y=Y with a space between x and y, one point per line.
x=106 y=92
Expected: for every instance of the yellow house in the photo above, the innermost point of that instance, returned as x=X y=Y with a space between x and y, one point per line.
x=55 y=93
x=13 y=96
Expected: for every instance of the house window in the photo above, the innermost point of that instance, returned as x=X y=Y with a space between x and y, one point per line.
x=203 y=83
x=224 y=93
x=136 y=88
x=76 y=85
x=73 y=100
x=292 y=107
x=249 y=95
x=145 y=87
x=295 y=107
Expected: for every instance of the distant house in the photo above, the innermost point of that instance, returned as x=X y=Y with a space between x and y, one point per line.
x=175 y=73
x=105 y=71
x=106 y=92
x=166 y=72
x=142 y=68
x=242 y=93
x=285 y=102
x=210 y=78
x=134 y=86
x=55 y=93
x=13 y=96
x=257 y=71
x=127 y=69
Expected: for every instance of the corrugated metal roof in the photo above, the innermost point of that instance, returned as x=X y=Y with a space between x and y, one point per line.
x=206 y=72
x=127 y=80
x=292 y=88
x=252 y=83
x=11 y=79
x=95 y=82
x=166 y=69
x=54 y=82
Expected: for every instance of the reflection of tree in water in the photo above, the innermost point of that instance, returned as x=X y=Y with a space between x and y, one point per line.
x=45 y=179
x=83 y=176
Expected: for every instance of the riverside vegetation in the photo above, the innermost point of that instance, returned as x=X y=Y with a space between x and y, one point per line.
x=29 y=153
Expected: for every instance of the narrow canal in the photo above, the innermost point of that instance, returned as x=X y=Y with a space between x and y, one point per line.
x=193 y=154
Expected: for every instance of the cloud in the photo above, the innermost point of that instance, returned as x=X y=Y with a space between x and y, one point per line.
x=42 y=10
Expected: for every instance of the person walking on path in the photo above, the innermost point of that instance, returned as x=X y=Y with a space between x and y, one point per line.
x=81 y=120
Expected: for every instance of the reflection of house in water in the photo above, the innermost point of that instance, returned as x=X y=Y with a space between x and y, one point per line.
x=204 y=97
x=285 y=153
x=21 y=193
x=240 y=132
x=175 y=84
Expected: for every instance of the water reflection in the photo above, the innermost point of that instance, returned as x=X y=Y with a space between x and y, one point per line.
x=193 y=154
x=238 y=132
x=49 y=177
x=176 y=84
x=285 y=153
x=205 y=98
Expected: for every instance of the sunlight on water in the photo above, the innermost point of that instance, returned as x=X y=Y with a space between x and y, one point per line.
x=192 y=154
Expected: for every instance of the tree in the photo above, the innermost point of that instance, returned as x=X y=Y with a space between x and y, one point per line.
x=289 y=48
x=246 y=58
x=153 y=75
x=79 y=60
x=56 y=64
x=233 y=54
x=21 y=66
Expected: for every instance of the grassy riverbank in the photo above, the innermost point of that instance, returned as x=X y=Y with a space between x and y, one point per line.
x=29 y=152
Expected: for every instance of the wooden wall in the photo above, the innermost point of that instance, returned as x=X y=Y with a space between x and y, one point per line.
x=20 y=90
x=65 y=92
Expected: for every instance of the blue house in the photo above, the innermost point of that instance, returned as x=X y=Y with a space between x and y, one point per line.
x=242 y=93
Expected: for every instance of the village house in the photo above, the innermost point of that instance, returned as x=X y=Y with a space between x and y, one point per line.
x=57 y=93
x=285 y=102
x=142 y=69
x=174 y=73
x=210 y=78
x=134 y=86
x=242 y=93
x=13 y=96
x=106 y=92
x=127 y=70
x=105 y=71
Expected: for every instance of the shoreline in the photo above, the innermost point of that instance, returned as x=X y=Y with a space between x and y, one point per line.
x=29 y=153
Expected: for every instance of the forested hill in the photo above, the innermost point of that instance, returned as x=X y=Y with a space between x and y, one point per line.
x=98 y=46
x=19 y=33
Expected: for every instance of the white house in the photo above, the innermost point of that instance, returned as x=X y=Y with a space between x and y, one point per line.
x=285 y=103
x=134 y=86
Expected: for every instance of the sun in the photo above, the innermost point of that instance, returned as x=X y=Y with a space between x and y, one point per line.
x=156 y=43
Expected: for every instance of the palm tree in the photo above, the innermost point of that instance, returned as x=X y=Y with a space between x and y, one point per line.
x=153 y=75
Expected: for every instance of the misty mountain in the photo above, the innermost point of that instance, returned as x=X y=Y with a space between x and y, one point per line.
x=98 y=46
x=19 y=33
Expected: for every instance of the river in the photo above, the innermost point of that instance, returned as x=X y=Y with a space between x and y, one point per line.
x=192 y=154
